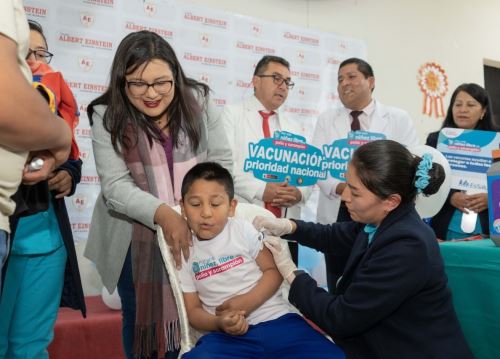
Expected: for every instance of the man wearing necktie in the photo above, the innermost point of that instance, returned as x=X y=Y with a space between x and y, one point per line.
x=358 y=111
x=257 y=117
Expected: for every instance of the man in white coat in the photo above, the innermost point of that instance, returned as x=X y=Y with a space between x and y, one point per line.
x=360 y=111
x=254 y=119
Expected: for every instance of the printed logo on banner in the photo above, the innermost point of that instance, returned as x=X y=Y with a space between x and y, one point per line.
x=256 y=49
x=301 y=56
x=302 y=111
x=205 y=60
x=343 y=46
x=85 y=63
x=105 y=3
x=35 y=11
x=84 y=154
x=80 y=202
x=66 y=38
x=339 y=153
x=87 y=179
x=309 y=76
x=256 y=30
x=332 y=96
x=149 y=8
x=285 y=157
x=87 y=19
x=469 y=154
x=332 y=61
x=302 y=39
x=220 y=102
x=205 y=20
x=165 y=33
x=83 y=132
x=302 y=93
x=205 y=40
x=205 y=78
x=87 y=87
x=80 y=227
x=82 y=107
x=243 y=84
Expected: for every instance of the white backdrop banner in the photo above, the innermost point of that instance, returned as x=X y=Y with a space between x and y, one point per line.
x=215 y=47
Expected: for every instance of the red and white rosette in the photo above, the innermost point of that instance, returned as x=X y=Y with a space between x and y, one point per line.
x=433 y=82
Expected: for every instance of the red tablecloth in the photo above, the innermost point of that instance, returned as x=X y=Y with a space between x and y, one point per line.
x=97 y=336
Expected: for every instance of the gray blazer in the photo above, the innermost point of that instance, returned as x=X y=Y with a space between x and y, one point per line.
x=121 y=202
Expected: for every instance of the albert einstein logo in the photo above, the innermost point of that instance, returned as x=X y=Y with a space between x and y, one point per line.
x=205 y=78
x=150 y=8
x=80 y=202
x=85 y=63
x=205 y=40
x=87 y=19
x=256 y=30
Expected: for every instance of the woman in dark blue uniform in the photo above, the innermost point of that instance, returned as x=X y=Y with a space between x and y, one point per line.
x=392 y=300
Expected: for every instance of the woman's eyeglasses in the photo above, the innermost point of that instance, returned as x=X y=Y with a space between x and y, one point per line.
x=40 y=55
x=139 y=88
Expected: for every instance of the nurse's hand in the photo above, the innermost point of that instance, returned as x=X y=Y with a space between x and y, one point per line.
x=274 y=226
x=282 y=257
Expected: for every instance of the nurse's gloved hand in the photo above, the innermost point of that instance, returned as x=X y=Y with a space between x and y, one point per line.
x=274 y=226
x=282 y=257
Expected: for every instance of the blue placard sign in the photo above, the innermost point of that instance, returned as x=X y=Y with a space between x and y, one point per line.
x=285 y=157
x=469 y=154
x=339 y=153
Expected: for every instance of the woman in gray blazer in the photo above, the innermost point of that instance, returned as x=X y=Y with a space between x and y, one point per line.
x=148 y=129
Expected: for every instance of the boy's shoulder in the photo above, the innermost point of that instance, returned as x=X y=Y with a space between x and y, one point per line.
x=241 y=225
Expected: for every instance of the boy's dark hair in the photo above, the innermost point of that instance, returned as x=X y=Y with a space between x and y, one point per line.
x=208 y=171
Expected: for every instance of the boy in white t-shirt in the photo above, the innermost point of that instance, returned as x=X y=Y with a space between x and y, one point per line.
x=230 y=282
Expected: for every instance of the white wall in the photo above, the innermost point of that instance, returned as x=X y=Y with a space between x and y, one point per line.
x=400 y=35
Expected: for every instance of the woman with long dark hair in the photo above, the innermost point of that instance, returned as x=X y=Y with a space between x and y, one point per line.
x=470 y=109
x=148 y=129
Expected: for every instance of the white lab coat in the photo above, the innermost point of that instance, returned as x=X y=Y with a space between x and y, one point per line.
x=335 y=124
x=243 y=124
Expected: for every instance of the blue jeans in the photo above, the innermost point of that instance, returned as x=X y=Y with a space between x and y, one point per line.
x=126 y=291
x=4 y=251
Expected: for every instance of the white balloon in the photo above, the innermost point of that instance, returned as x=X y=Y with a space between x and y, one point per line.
x=430 y=206
x=112 y=300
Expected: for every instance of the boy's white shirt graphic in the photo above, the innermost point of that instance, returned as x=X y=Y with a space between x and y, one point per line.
x=225 y=266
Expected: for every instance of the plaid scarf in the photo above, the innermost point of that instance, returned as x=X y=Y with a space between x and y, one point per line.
x=157 y=322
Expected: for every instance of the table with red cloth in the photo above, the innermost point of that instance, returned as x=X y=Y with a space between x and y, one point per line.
x=98 y=336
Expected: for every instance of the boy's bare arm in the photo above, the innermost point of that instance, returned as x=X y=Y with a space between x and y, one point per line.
x=26 y=123
x=231 y=322
x=264 y=289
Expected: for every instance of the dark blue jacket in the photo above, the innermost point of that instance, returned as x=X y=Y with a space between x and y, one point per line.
x=392 y=300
